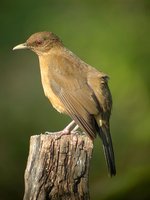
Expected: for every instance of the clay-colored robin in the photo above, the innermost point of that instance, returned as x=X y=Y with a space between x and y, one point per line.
x=74 y=88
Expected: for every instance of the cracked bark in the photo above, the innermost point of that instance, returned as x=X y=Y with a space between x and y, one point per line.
x=58 y=168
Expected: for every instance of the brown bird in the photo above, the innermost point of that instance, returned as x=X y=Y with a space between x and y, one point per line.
x=74 y=88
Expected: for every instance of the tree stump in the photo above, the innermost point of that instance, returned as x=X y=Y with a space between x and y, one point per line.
x=58 y=167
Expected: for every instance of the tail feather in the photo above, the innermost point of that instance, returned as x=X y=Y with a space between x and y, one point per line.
x=104 y=134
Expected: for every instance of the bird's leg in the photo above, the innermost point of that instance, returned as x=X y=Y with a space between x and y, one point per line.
x=67 y=130
x=69 y=126
x=75 y=128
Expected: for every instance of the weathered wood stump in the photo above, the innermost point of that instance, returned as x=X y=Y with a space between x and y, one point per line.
x=58 y=168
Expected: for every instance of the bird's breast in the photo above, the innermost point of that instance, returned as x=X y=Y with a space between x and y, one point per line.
x=45 y=78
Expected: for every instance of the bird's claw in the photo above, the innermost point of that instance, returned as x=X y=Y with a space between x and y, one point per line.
x=58 y=134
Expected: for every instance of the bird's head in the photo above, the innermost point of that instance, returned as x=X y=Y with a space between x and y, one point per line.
x=40 y=42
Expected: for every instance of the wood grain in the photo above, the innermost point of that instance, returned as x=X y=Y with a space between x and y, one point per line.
x=58 y=167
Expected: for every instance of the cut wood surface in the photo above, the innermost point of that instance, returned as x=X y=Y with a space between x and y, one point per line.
x=58 y=167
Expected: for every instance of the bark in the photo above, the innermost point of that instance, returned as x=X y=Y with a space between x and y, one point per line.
x=58 y=167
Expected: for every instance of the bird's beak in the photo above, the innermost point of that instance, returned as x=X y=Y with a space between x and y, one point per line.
x=21 y=46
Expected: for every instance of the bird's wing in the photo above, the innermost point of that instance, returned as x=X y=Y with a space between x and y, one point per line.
x=78 y=100
x=98 y=82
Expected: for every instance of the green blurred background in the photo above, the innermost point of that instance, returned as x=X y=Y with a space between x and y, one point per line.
x=112 y=35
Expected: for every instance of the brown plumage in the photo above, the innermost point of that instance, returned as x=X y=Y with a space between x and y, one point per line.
x=74 y=88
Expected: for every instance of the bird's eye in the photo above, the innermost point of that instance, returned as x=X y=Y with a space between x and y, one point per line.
x=39 y=42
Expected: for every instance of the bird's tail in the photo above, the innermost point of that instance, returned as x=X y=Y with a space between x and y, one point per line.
x=104 y=133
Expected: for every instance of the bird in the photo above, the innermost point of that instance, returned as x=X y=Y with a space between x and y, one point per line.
x=74 y=88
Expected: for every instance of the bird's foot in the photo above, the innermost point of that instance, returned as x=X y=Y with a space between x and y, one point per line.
x=66 y=131
x=58 y=134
